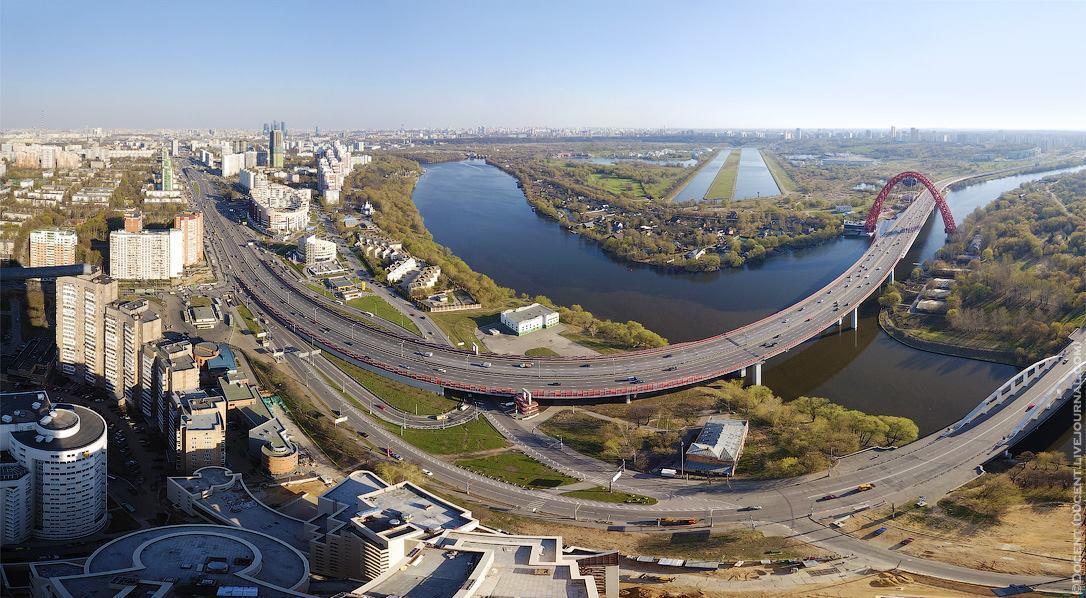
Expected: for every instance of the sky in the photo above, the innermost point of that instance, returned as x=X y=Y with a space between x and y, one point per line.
x=465 y=63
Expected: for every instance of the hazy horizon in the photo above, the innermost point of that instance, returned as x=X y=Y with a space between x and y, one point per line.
x=341 y=66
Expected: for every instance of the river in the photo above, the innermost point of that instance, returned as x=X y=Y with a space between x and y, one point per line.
x=479 y=212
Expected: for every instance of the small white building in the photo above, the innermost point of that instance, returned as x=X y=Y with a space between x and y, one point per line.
x=718 y=446
x=402 y=268
x=529 y=318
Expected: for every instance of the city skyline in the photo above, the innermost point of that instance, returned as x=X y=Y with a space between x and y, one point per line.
x=782 y=65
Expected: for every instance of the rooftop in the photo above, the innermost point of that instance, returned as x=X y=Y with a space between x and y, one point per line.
x=179 y=557
x=528 y=312
x=721 y=439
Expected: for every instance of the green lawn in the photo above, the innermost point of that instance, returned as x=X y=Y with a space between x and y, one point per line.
x=596 y=344
x=517 y=468
x=199 y=301
x=540 y=352
x=401 y=396
x=619 y=186
x=382 y=309
x=783 y=179
x=601 y=494
x=250 y=319
x=723 y=186
x=578 y=431
x=475 y=435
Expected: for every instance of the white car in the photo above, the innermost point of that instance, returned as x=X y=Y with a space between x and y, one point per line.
x=427 y=472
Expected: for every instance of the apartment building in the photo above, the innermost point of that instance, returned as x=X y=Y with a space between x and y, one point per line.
x=313 y=249
x=127 y=327
x=191 y=225
x=80 y=312
x=146 y=255
x=196 y=431
x=52 y=247
x=166 y=367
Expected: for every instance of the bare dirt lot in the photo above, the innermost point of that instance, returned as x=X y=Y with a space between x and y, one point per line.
x=1028 y=540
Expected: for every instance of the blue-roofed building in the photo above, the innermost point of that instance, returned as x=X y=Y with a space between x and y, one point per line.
x=223 y=363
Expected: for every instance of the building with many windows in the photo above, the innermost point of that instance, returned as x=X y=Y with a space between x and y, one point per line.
x=276 y=150
x=529 y=318
x=313 y=249
x=191 y=225
x=53 y=463
x=52 y=247
x=146 y=255
x=196 y=431
x=167 y=366
x=127 y=327
x=80 y=311
x=277 y=209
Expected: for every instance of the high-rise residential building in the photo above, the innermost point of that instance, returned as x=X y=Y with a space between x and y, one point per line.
x=146 y=255
x=80 y=309
x=166 y=367
x=231 y=164
x=275 y=149
x=133 y=220
x=127 y=327
x=167 y=172
x=52 y=469
x=196 y=430
x=191 y=225
x=52 y=247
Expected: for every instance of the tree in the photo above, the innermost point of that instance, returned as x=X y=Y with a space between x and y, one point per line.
x=899 y=430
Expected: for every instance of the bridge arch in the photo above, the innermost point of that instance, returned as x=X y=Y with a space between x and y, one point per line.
x=944 y=210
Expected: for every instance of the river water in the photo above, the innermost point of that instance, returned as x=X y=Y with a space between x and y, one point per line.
x=698 y=185
x=479 y=212
x=754 y=178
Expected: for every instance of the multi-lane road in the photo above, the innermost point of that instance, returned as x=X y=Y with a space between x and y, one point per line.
x=430 y=360
x=930 y=466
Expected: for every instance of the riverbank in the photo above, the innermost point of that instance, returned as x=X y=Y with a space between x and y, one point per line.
x=784 y=181
x=908 y=338
x=388 y=183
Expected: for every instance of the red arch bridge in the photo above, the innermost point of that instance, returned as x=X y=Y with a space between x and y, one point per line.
x=910 y=178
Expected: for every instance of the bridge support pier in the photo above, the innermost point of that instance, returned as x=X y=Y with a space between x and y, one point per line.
x=758 y=374
x=856 y=318
x=891 y=275
x=628 y=400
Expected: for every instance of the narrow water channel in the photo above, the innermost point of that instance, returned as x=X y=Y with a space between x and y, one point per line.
x=698 y=185
x=479 y=212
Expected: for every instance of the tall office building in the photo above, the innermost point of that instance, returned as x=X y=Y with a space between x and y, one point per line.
x=266 y=128
x=81 y=305
x=283 y=128
x=191 y=225
x=146 y=255
x=275 y=149
x=127 y=327
x=52 y=469
x=167 y=172
x=52 y=247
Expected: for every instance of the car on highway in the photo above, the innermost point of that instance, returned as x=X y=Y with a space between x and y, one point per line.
x=827 y=497
x=485 y=364
x=864 y=487
x=750 y=508
x=525 y=365
x=1030 y=406
x=427 y=472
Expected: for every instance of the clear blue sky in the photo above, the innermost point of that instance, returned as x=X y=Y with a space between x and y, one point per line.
x=348 y=64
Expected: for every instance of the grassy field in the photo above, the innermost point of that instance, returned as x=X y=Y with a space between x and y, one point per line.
x=401 y=396
x=602 y=495
x=617 y=185
x=199 y=301
x=596 y=344
x=475 y=435
x=250 y=319
x=725 y=546
x=723 y=186
x=783 y=179
x=517 y=468
x=382 y=309
x=540 y=352
x=578 y=431
x=460 y=326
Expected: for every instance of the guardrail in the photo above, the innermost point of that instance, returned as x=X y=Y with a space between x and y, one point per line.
x=1005 y=391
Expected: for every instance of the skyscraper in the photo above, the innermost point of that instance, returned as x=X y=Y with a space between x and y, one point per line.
x=275 y=149
x=283 y=128
x=266 y=128
x=167 y=171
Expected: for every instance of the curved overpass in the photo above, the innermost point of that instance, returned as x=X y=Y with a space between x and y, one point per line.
x=312 y=316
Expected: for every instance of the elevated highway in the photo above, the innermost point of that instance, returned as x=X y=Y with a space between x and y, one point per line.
x=427 y=362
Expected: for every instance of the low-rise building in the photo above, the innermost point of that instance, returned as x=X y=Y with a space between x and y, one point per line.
x=400 y=269
x=424 y=280
x=529 y=318
x=313 y=249
x=718 y=446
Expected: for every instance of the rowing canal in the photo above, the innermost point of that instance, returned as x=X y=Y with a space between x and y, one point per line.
x=479 y=212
